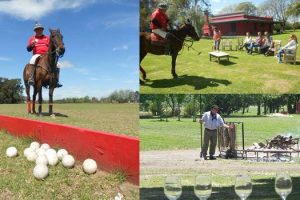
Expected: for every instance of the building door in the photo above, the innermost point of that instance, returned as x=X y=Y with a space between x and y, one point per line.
x=233 y=28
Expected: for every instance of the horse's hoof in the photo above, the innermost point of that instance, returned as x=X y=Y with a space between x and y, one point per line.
x=144 y=77
x=52 y=116
x=175 y=76
x=142 y=82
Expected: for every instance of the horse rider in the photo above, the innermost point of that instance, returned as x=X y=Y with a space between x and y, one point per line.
x=160 y=24
x=39 y=44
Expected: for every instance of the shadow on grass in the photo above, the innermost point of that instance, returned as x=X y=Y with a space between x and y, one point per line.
x=197 y=82
x=263 y=189
x=46 y=114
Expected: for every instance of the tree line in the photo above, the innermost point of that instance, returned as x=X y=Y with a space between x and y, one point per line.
x=177 y=105
x=285 y=11
x=11 y=90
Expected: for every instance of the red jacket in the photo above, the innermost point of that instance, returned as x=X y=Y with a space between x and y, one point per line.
x=159 y=20
x=41 y=45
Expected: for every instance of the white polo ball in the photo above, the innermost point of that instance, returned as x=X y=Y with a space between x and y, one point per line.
x=32 y=156
x=11 y=152
x=42 y=160
x=68 y=161
x=45 y=146
x=61 y=153
x=89 y=166
x=50 y=152
x=52 y=159
x=34 y=145
x=41 y=152
x=27 y=151
x=40 y=171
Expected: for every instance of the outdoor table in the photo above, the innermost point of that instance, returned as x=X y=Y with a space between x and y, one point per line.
x=218 y=55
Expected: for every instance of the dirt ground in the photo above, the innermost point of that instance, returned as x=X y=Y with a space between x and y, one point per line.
x=186 y=160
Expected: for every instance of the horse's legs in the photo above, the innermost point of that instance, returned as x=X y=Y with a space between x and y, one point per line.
x=174 y=57
x=142 y=56
x=28 y=97
x=34 y=98
x=51 y=90
x=39 y=87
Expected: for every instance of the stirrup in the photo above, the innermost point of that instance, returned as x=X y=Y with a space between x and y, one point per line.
x=58 y=85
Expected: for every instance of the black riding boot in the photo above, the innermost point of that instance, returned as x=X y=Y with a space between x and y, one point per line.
x=31 y=77
x=168 y=45
x=58 y=85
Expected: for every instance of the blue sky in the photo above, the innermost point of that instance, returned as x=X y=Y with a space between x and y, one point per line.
x=217 y=5
x=100 y=36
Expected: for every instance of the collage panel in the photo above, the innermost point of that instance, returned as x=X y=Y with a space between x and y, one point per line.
x=69 y=97
x=224 y=146
x=219 y=46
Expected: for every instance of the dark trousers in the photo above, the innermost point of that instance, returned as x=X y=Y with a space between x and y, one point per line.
x=210 y=136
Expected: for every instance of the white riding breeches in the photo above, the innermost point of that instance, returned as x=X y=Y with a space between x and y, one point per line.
x=160 y=32
x=33 y=58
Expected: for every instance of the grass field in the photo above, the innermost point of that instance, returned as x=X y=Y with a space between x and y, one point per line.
x=18 y=183
x=116 y=118
x=185 y=134
x=243 y=74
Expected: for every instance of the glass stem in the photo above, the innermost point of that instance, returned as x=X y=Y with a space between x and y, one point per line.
x=203 y=198
x=283 y=198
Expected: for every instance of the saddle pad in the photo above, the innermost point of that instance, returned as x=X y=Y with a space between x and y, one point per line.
x=157 y=38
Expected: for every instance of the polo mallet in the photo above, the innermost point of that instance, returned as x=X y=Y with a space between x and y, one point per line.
x=201 y=140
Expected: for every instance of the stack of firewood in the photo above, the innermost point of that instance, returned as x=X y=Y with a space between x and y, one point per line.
x=277 y=142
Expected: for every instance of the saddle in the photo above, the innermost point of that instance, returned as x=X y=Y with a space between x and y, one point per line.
x=158 y=40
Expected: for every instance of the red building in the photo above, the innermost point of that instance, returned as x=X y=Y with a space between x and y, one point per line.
x=237 y=24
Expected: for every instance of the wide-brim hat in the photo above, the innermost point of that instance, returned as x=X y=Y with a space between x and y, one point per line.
x=38 y=26
x=163 y=6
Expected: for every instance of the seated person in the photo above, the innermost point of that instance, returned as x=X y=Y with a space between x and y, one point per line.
x=258 y=43
x=247 y=41
x=268 y=40
x=291 y=45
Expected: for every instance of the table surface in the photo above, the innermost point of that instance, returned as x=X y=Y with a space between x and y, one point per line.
x=218 y=53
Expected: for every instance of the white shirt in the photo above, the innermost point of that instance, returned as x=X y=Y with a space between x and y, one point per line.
x=248 y=40
x=291 y=45
x=210 y=122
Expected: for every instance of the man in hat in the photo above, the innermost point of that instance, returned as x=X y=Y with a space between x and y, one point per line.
x=212 y=120
x=160 y=23
x=38 y=44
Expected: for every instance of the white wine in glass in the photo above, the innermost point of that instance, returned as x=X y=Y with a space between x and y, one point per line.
x=203 y=187
x=243 y=186
x=173 y=188
x=283 y=185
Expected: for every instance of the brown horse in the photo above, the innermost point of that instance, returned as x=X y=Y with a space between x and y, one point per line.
x=45 y=72
x=176 y=43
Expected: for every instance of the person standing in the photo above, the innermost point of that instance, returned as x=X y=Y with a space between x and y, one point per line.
x=217 y=38
x=212 y=121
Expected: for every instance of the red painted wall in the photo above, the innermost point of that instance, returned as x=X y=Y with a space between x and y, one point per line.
x=111 y=152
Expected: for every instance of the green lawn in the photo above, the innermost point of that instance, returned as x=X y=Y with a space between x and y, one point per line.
x=161 y=135
x=116 y=118
x=18 y=183
x=243 y=74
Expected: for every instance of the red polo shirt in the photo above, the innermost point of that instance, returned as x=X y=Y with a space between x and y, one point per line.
x=161 y=17
x=41 y=45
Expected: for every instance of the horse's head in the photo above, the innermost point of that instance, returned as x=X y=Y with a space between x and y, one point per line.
x=57 y=40
x=190 y=30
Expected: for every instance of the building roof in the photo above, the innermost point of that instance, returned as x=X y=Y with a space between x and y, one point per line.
x=238 y=16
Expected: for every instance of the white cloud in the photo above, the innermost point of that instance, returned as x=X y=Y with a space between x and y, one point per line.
x=5 y=58
x=93 y=79
x=123 y=47
x=36 y=9
x=65 y=64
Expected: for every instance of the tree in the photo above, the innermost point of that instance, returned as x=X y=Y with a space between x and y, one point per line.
x=294 y=12
x=11 y=90
x=247 y=7
x=277 y=9
x=228 y=9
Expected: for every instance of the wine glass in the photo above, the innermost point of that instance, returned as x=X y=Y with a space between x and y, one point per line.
x=243 y=186
x=172 y=187
x=283 y=185
x=203 y=187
